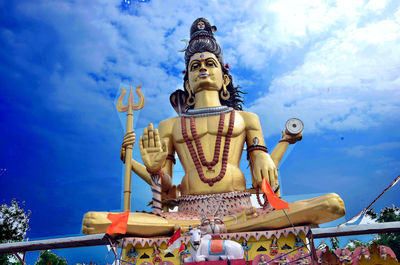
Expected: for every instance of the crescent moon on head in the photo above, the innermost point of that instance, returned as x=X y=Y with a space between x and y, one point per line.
x=186 y=45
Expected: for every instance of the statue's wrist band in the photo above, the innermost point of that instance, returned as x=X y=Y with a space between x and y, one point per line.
x=290 y=141
x=252 y=148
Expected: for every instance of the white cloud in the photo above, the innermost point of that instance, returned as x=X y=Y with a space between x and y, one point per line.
x=367 y=150
x=376 y=5
x=348 y=78
x=348 y=81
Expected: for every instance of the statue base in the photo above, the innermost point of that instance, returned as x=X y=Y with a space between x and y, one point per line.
x=219 y=262
x=260 y=247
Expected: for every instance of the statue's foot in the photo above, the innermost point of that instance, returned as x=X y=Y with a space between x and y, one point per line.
x=315 y=211
x=139 y=224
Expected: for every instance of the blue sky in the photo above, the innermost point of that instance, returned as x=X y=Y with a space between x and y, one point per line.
x=333 y=64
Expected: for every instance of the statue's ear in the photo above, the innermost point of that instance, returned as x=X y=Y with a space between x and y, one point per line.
x=227 y=80
x=187 y=86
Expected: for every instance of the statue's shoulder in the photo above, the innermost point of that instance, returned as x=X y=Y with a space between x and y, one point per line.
x=251 y=119
x=166 y=126
x=246 y=114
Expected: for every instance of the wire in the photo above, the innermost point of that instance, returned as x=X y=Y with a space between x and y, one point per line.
x=394 y=182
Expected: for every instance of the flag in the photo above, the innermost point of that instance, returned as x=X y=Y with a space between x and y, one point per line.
x=175 y=242
x=119 y=222
x=182 y=248
x=275 y=202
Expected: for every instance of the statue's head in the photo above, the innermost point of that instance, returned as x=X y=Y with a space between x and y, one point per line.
x=204 y=49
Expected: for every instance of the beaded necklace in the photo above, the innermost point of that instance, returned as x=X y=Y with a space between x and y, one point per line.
x=203 y=160
x=215 y=160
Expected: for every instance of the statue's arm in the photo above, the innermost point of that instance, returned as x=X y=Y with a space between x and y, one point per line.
x=141 y=171
x=260 y=161
x=280 y=149
x=165 y=128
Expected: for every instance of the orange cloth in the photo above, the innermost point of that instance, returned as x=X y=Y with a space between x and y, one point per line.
x=217 y=247
x=275 y=202
x=119 y=222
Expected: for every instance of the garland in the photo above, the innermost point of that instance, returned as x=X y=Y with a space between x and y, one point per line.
x=203 y=160
x=193 y=154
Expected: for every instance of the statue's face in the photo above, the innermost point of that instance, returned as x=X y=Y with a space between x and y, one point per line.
x=205 y=73
x=201 y=25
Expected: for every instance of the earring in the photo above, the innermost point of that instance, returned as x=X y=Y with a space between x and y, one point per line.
x=225 y=95
x=190 y=99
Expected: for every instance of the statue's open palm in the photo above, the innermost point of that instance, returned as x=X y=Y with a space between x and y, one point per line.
x=153 y=151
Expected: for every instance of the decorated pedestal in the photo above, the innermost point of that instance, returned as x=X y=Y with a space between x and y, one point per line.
x=282 y=246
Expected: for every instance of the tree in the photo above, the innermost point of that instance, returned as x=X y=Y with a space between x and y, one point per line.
x=46 y=258
x=334 y=243
x=14 y=222
x=354 y=243
x=392 y=240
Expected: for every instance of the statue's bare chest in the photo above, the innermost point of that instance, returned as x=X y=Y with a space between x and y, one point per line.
x=208 y=127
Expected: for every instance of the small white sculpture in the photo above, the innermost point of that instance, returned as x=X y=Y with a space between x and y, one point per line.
x=201 y=248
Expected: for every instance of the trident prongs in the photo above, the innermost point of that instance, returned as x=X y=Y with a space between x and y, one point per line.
x=123 y=108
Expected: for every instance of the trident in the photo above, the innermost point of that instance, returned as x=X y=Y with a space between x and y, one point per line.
x=129 y=128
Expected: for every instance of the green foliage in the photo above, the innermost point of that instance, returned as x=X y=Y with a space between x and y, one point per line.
x=46 y=258
x=7 y=260
x=354 y=243
x=335 y=243
x=389 y=214
x=371 y=213
x=14 y=222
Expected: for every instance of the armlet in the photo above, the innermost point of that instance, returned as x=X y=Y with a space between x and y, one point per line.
x=255 y=147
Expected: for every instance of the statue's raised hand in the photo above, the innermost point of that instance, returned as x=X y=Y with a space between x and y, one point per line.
x=153 y=151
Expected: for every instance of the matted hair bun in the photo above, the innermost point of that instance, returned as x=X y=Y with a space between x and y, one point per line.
x=202 y=40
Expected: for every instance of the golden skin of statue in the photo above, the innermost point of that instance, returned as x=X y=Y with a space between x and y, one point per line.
x=246 y=128
x=156 y=144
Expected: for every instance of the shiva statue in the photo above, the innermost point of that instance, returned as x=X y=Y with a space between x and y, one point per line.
x=208 y=137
